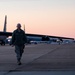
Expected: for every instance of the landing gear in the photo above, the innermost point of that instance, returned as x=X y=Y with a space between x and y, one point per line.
x=2 y=42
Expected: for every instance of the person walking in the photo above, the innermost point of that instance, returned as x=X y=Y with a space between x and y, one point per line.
x=18 y=40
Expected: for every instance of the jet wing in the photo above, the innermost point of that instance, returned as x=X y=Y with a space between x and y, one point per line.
x=34 y=35
x=5 y=34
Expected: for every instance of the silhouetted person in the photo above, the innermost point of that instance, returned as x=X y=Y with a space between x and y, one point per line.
x=18 y=40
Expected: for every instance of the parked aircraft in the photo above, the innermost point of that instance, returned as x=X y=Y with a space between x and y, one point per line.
x=3 y=37
x=30 y=37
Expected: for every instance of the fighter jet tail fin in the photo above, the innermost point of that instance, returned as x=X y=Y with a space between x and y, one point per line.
x=5 y=22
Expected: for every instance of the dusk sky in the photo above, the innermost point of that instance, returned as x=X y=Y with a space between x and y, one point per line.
x=49 y=17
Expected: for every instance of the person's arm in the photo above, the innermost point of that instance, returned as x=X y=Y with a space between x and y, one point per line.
x=25 y=38
x=13 y=38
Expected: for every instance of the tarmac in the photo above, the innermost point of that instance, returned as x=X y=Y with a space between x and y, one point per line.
x=40 y=59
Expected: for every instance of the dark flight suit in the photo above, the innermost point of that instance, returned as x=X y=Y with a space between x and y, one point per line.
x=19 y=39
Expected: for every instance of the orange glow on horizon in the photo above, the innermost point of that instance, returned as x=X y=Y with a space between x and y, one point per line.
x=40 y=18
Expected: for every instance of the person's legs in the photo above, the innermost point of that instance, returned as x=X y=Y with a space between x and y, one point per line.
x=18 y=54
x=21 y=50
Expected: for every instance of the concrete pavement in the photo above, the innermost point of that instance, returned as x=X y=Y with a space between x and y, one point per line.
x=41 y=57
